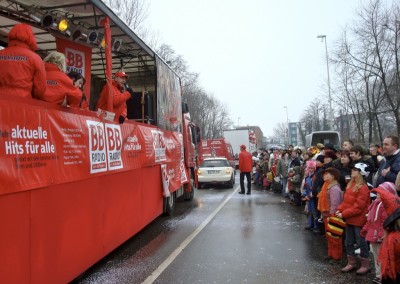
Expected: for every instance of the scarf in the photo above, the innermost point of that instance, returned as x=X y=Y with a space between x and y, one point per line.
x=323 y=204
x=387 y=255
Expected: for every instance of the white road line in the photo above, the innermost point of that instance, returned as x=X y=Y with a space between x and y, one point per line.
x=156 y=273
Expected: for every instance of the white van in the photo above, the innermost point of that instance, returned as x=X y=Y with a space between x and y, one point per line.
x=323 y=137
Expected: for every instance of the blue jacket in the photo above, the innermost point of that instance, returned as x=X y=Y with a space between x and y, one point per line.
x=308 y=182
x=393 y=162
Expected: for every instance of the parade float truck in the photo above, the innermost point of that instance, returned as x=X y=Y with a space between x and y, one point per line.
x=74 y=184
x=210 y=148
x=237 y=137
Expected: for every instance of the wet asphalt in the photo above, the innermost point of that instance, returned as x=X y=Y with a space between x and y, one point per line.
x=224 y=237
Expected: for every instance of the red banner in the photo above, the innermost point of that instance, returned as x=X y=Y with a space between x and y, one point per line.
x=43 y=146
x=78 y=59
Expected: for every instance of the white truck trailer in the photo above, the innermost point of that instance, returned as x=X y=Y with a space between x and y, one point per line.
x=238 y=137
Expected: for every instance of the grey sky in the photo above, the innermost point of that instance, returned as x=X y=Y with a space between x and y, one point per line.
x=255 y=56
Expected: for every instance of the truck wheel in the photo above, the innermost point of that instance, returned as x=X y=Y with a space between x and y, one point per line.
x=170 y=204
x=189 y=195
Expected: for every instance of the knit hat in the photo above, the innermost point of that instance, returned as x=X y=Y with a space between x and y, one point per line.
x=389 y=187
x=391 y=203
x=242 y=146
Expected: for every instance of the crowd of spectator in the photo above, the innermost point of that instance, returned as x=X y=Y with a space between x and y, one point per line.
x=341 y=191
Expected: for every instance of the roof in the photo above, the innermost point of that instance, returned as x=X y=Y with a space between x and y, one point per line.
x=136 y=58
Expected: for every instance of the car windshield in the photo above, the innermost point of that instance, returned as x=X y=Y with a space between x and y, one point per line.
x=215 y=163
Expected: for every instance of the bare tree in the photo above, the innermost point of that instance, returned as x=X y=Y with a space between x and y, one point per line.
x=369 y=71
x=134 y=13
x=206 y=111
x=280 y=130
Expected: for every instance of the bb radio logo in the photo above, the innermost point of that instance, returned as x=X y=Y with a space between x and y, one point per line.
x=114 y=146
x=159 y=145
x=105 y=146
x=97 y=147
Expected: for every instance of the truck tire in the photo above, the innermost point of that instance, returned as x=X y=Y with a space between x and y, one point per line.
x=170 y=204
x=189 y=195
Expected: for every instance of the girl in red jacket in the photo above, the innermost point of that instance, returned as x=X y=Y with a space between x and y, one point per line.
x=389 y=254
x=353 y=210
x=373 y=230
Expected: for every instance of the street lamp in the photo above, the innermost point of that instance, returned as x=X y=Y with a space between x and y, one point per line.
x=287 y=126
x=238 y=121
x=323 y=38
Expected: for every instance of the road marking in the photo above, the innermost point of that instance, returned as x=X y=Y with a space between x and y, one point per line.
x=156 y=273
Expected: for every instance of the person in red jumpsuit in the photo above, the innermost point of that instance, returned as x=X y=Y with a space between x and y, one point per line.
x=119 y=96
x=22 y=72
x=60 y=88
x=245 y=168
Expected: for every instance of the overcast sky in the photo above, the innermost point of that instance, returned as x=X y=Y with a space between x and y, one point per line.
x=256 y=56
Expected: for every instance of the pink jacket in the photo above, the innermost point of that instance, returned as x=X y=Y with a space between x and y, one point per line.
x=373 y=229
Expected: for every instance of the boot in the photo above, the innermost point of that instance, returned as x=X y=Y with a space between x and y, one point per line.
x=351 y=264
x=365 y=266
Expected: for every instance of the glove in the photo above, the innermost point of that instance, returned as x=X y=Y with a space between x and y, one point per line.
x=129 y=89
x=121 y=119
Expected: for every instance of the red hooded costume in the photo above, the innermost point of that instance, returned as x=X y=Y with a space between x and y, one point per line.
x=22 y=71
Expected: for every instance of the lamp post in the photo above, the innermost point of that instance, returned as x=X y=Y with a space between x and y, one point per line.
x=323 y=38
x=238 y=121
x=287 y=126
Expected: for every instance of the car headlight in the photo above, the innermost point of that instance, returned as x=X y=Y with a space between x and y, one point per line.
x=199 y=172
x=228 y=170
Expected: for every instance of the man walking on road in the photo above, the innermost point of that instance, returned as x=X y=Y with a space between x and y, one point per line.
x=245 y=167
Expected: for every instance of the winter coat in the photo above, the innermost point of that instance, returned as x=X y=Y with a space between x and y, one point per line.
x=393 y=162
x=307 y=187
x=22 y=72
x=318 y=181
x=355 y=205
x=373 y=229
x=119 y=100
x=335 y=197
x=245 y=162
x=282 y=167
x=294 y=179
x=59 y=87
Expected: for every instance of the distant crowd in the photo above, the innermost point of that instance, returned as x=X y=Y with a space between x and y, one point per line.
x=350 y=196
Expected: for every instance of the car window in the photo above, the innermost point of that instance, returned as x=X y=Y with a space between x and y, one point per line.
x=215 y=163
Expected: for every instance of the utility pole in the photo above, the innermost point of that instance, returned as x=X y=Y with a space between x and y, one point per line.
x=331 y=123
